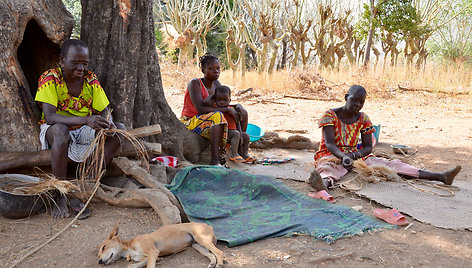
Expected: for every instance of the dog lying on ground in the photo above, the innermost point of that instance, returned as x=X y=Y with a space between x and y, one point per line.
x=167 y=240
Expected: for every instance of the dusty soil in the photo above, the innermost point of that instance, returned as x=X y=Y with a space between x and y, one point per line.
x=438 y=127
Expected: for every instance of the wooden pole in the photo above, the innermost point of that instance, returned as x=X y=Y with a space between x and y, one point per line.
x=11 y=160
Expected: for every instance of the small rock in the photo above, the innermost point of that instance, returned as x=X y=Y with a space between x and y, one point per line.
x=286 y=257
x=357 y=208
x=413 y=232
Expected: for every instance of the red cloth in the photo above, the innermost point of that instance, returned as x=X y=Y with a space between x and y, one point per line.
x=230 y=119
x=189 y=109
x=346 y=136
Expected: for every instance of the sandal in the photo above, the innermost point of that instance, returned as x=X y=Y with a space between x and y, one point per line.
x=250 y=159
x=76 y=206
x=322 y=195
x=237 y=159
x=391 y=216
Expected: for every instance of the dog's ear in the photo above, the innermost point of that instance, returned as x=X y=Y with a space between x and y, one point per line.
x=114 y=231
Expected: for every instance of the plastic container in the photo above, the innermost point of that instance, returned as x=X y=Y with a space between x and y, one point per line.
x=377 y=132
x=170 y=161
x=255 y=132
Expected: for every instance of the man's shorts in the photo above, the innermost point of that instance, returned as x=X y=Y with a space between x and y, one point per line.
x=80 y=140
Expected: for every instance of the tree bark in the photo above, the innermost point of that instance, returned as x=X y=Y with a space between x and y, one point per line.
x=31 y=32
x=371 y=33
x=120 y=36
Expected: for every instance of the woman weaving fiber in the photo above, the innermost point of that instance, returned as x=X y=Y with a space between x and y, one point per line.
x=342 y=127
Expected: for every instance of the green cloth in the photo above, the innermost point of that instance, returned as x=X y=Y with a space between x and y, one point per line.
x=244 y=207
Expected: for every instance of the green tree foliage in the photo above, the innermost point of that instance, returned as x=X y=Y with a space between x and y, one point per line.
x=75 y=8
x=453 y=41
x=398 y=17
x=216 y=43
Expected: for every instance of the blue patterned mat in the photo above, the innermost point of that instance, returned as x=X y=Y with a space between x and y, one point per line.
x=244 y=207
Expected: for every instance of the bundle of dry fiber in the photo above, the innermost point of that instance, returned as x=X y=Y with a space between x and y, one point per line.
x=45 y=185
x=92 y=167
x=374 y=173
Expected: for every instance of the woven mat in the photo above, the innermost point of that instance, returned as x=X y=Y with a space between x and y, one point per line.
x=243 y=207
x=447 y=212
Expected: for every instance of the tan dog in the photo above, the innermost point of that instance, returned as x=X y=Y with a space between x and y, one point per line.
x=169 y=239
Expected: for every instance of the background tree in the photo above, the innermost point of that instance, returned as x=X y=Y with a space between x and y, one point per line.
x=453 y=41
x=394 y=21
x=187 y=23
x=120 y=36
x=327 y=35
x=299 y=23
x=264 y=31
x=236 y=32
x=373 y=13
x=433 y=15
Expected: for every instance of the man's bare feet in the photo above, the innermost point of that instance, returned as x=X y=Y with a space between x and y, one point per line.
x=60 y=208
x=450 y=174
x=316 y=181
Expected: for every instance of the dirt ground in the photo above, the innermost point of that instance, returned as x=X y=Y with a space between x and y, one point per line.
x=438 y=127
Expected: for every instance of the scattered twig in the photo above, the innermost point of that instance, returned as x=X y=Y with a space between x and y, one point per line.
x=431 y=91
x=293 y=131
x=331 y=258
x=409 y=225
x=311 y=98
x=405 y=247
x=247 y=97
x=442 y=187
x=366 y=258
x=265 y=102
x=241 y=92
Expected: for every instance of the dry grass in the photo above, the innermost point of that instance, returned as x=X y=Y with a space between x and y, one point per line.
x=368 y=174
x=173 y=77
x=379 y=82
x=374 y=173
x=92 y=167
x=44 y=185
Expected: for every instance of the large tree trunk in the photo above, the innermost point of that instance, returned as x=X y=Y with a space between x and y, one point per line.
x=31 y=32
x=120 y=36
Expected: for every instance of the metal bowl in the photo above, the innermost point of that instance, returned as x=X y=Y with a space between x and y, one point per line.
x=400 y=148
x=13 y=205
